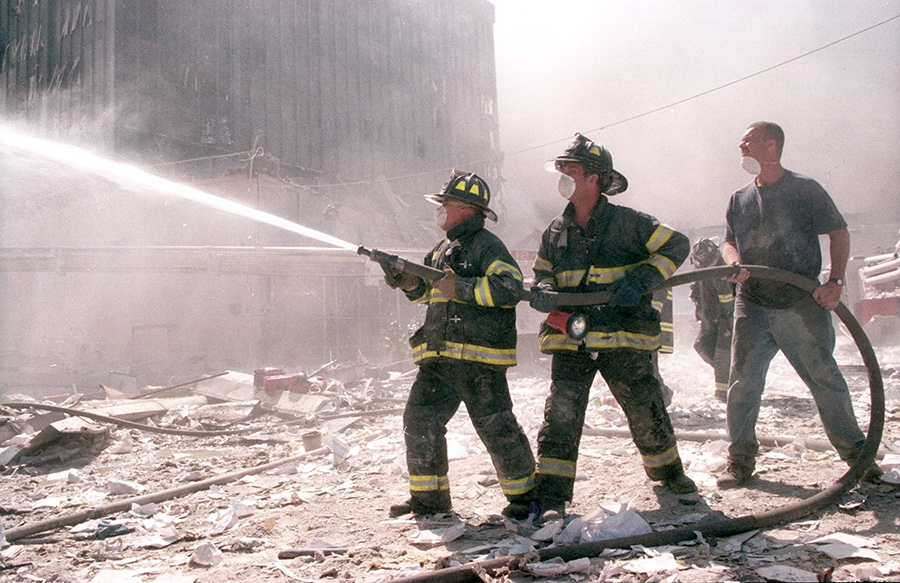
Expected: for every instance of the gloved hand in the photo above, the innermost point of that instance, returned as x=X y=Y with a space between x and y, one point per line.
x=542 y=301
x=399 y=279
x=628 y=294
x=447 y=284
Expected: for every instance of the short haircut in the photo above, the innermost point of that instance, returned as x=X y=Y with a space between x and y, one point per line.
x=771 y=131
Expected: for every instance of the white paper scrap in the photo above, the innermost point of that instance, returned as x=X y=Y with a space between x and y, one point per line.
x=786 y=574
x=663 y=562
x=438 y=536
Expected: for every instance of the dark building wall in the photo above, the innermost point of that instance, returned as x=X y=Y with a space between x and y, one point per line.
x=352 y=89
x=341 y=94
x=359 y=108
x=57 y=65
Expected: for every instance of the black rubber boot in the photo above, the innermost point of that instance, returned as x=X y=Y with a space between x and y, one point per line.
x=521 y=509
x=680 y=484
x=552 y=509
x=430 y=503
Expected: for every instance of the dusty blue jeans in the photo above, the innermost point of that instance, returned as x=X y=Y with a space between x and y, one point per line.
x=805 y=334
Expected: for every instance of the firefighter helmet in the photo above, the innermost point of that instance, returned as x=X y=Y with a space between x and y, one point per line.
x=596 y=160
x=704 y=253
x=466 y=188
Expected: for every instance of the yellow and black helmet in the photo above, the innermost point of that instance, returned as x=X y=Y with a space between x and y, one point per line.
x=596 y=159
x=466 y=188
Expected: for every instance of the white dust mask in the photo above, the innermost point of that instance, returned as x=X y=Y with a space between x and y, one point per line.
x=440 y=217
x=751 y=165
x=566 y=186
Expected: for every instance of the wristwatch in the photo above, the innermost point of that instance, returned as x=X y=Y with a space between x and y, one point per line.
x=837 y=280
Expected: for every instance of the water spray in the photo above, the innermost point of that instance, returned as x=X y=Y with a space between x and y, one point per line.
x=133 y=177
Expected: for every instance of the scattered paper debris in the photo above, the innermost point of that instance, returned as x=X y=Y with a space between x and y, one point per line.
x=648 y=565
x=207 y=555
x=786 y=574
x=557 y=566
x=549 y=530
x=602 y=525
x=124 y=487
x=840 y=545
x=438 y=536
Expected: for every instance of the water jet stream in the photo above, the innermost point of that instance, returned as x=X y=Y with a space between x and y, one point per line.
x=131 y=176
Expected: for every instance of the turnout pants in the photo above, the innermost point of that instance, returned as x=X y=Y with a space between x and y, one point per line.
x=434 y=398
x=713 y=344
x=629 y=374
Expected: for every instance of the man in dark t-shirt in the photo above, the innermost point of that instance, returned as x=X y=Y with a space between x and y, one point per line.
x=775 y=221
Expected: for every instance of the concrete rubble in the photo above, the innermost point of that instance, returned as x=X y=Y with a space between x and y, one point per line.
x=323 y=515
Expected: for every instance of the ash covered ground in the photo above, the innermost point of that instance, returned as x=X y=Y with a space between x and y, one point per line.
x=323 y=517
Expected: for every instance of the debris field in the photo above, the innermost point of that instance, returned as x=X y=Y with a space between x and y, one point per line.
x=224 y=480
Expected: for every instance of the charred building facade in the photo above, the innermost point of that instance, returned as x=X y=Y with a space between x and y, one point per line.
x=338 y=88
x=335 y=114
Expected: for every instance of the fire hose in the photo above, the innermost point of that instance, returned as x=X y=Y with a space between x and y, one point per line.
x=398 y=264
x=728 y=526
x=725 y=527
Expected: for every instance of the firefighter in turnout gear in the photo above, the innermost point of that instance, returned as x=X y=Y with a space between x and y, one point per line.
x=463 y=350
x=594 y=246
x=714 y=308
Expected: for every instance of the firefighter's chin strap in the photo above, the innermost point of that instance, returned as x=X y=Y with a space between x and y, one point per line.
x=729 y=526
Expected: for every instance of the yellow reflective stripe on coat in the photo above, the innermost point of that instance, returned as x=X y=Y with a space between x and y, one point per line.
x=659 y=304
x=661 y=459
x=599 y=341
x=663 y=264
x=596 y=275
x=468 y=352
x=541 y=264
x=434 y=296
x=659 y=238
x=726 y=298
x=420 y=353
x=569 y=278
x=428 y=483
x=621 y=339
x=556 y=467
x=607 y=275
x=517 y=487
x=557 y=341
x=482 y=288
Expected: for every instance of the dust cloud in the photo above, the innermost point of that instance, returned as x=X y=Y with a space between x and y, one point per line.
x=705 y=70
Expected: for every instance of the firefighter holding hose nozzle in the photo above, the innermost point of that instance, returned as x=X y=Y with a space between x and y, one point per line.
x=594 y=246
x=463 y=350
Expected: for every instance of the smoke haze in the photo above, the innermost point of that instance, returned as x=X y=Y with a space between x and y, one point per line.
x=580 y=66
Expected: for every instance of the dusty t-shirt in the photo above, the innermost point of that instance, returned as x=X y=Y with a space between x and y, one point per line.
x=779 y=226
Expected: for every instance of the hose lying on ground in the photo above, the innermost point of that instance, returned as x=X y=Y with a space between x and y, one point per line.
x=724 y=527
